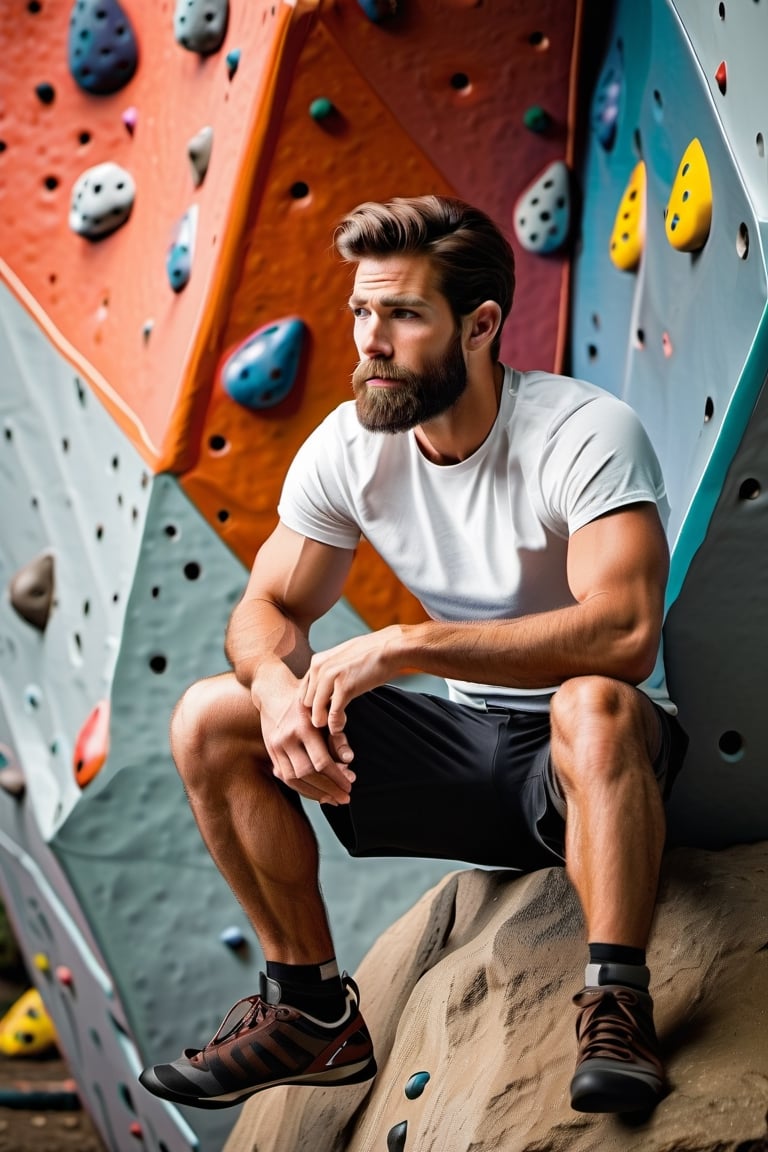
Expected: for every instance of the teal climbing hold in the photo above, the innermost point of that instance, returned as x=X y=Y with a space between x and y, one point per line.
x=396 y=1137
x=178 y=262
x=536 y=119
x=321 y=108
x=262 y=370
x=378 y=10
x=607 y=100
x=233 y=61
x=102 y=51
x=416 y=1085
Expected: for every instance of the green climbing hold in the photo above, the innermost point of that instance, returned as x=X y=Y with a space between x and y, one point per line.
x=321 y=108
x=536 y=119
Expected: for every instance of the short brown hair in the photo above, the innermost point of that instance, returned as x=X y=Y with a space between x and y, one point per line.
x=473 y=260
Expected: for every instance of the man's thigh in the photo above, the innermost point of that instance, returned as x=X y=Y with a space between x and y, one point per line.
x=443 y=780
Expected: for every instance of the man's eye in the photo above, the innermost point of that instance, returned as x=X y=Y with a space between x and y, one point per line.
x=404 y=314
x=359 y=312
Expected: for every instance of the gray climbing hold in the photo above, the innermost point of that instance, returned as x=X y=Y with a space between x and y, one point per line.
x=543 y=212
x=182 y=251
x=31 y=591
x=102 y=199
x=103 y=53
x=200 y=25
x=396 y=1137
x=416 y=1085
x=199 y=152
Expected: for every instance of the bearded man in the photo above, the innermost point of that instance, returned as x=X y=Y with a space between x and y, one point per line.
x=525 y=511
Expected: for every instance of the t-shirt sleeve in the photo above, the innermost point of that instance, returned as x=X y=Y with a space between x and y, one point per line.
x=595 y=460
x=315 y=499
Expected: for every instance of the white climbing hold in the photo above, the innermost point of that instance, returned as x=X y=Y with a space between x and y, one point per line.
x=102 y=199
x=543 y=211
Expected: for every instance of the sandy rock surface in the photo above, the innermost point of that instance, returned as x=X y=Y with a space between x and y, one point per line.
x=473 y=985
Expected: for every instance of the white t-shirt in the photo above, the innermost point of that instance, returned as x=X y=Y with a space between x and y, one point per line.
x=486 y=538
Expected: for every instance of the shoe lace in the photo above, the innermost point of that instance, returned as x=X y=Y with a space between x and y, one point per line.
x=246 y=1013
x=612 y=1025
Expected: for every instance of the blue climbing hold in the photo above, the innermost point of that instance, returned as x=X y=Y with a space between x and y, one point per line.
x=103 y=53
x=233 y=62
x=396 y=1137
x=262 y=370
x=233 y=937
x=182 y=251
x=416 y=1085
x=607 y=99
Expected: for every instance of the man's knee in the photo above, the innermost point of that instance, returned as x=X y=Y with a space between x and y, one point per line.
x=214 y=724
x=596 y=721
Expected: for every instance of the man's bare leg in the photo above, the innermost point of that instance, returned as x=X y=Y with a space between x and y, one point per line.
x=605 y=735
x=264 y=846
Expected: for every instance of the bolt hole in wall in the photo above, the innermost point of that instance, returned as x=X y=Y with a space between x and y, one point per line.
x=749 y=489
x=709 y=409
x=742 y=241
x=731 y=745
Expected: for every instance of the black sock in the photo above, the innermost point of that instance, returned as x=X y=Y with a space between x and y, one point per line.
x=312 y=988
x=615 y=954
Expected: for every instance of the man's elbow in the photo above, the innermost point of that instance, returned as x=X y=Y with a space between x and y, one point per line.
x=637 y=653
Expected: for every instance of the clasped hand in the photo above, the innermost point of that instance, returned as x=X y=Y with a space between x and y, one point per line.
x=304 y=732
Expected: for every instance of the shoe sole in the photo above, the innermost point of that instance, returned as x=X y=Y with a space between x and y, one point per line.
x=352 y=1074
x=601 y=1090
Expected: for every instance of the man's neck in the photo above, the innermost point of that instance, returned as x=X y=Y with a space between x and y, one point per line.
x=458 y=433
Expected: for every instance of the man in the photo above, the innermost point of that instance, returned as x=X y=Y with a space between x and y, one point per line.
x=523 y=510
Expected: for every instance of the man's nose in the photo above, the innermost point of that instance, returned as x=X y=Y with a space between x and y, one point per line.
x=374 y=342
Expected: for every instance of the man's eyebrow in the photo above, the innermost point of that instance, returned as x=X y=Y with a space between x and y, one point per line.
x=391 y=302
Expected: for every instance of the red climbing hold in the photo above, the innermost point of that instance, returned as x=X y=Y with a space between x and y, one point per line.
x=722 y=77
x=92 y=745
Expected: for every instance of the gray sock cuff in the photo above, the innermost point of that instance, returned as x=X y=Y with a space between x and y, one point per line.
x=636 y=975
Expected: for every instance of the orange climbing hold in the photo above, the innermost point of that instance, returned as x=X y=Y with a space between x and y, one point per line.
x=92 y=745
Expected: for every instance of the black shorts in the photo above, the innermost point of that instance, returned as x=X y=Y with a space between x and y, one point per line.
x=451 y=782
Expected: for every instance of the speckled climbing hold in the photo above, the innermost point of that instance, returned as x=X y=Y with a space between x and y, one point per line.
x=31 y=591
x=92 y=745
x=233 y=62
x=321 y=108
x=46 y=93
x=178 y=263
x=396 y=1137
x=721 y=76
x=378 y=10
x=628 y=236
x=102 y=53
x=607 y=99
x=199 y=153
x=201 y=25
x=131 y=118
x=233 y=937
x=262 y=370
x=537 y=119
x=102 y=199
x=416 y=1085
x=689 y=209
x=543 y=211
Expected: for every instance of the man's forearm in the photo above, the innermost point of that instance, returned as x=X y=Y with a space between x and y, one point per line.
x=535 y=651
x=260 y=637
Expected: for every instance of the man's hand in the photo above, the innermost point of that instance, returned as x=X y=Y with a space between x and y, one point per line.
x=311 y=761
x=340 y=674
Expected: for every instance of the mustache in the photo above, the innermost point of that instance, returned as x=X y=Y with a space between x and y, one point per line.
x=380 y=369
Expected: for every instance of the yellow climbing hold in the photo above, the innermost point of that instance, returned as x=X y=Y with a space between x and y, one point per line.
x=26 y=1029
x=689 y=211
x=628 y=236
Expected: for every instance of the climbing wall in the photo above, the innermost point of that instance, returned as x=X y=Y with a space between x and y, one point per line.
x=669 y=312
x=172 y=325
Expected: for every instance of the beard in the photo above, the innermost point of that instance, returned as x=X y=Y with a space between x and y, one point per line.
x=416 y=398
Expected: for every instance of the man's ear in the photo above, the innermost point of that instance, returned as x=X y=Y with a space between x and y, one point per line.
x=483 y=324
